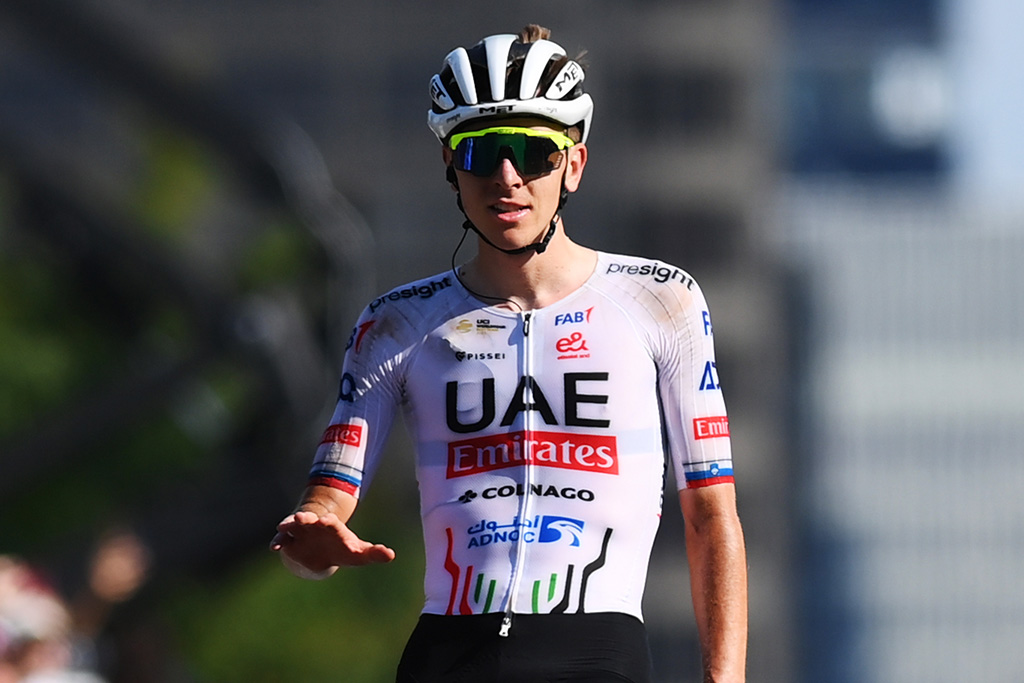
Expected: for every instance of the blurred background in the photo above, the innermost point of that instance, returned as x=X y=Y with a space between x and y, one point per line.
x=197 y=198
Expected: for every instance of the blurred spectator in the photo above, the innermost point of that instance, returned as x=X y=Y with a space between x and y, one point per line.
x=43 y=638
x=36 y=632
x=119 y=567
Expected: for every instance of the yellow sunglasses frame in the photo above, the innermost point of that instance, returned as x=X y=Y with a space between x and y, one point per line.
x=561 y=140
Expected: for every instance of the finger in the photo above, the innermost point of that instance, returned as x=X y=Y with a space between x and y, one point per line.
x=286 y=523
x=379 y=554
x=278 y=541
x=306 y=517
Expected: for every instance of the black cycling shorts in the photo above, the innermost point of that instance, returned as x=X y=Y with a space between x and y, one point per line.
x=540 y=648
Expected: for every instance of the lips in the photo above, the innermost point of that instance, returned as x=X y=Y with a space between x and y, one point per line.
x=510 y=211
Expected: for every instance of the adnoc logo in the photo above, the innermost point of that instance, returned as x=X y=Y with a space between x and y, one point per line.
x=546 y=529
x=554 y=529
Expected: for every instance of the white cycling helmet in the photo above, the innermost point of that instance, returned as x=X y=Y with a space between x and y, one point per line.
x=501 y=76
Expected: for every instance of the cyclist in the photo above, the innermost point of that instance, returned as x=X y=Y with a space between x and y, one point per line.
x=544 y=385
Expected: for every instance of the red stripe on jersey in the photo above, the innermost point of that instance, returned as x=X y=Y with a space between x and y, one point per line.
x=710 y=481
x=345 y=486
x=453 y=569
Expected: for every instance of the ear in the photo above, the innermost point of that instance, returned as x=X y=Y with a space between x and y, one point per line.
x=449 y=174
x=577 y=160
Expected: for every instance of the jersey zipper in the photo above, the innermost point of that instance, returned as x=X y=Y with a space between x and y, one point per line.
x=526 y=367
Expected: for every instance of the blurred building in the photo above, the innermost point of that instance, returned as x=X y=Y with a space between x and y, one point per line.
x=902 y=205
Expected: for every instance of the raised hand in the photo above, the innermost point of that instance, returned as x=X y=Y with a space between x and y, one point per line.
x=321 y=543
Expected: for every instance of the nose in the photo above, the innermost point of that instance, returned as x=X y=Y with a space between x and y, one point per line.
x=506 y=174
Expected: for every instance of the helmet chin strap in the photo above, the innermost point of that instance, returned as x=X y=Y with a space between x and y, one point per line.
x=540 y=246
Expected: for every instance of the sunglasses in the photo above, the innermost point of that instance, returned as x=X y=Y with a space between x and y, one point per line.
x=532 y=152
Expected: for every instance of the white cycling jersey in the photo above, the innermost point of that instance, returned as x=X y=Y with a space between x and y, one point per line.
x=541 y=436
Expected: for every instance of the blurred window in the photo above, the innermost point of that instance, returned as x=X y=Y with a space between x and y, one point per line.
x=675 y=100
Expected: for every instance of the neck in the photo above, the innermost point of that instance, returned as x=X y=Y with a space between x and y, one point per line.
x=530 y=280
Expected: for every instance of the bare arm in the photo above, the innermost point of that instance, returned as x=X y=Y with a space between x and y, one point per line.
x=315 y=539
x=718 y=579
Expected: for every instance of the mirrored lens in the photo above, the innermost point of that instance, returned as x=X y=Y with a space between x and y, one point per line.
x=530 y=155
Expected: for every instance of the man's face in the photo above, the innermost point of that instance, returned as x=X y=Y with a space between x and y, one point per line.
x=513 y=209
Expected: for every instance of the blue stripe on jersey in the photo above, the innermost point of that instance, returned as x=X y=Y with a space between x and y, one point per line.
x=709 y=474
x=347 y=478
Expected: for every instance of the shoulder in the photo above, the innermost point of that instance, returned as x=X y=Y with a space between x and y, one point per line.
x=662 y=301
x=423 y=294
x=404 y=313
x=648 y=283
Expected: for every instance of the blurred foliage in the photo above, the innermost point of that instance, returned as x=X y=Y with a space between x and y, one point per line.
x=61 y=335
x=275 y=255
x=178 y=183
x=49 y=344
x=264 y=625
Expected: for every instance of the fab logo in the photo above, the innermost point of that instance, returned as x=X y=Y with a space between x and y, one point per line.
x=573 y=317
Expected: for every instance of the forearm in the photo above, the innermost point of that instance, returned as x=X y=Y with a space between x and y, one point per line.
x=718 y=584
x=322 y=500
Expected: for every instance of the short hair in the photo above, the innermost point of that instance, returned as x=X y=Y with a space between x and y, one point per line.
x=531 y=33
